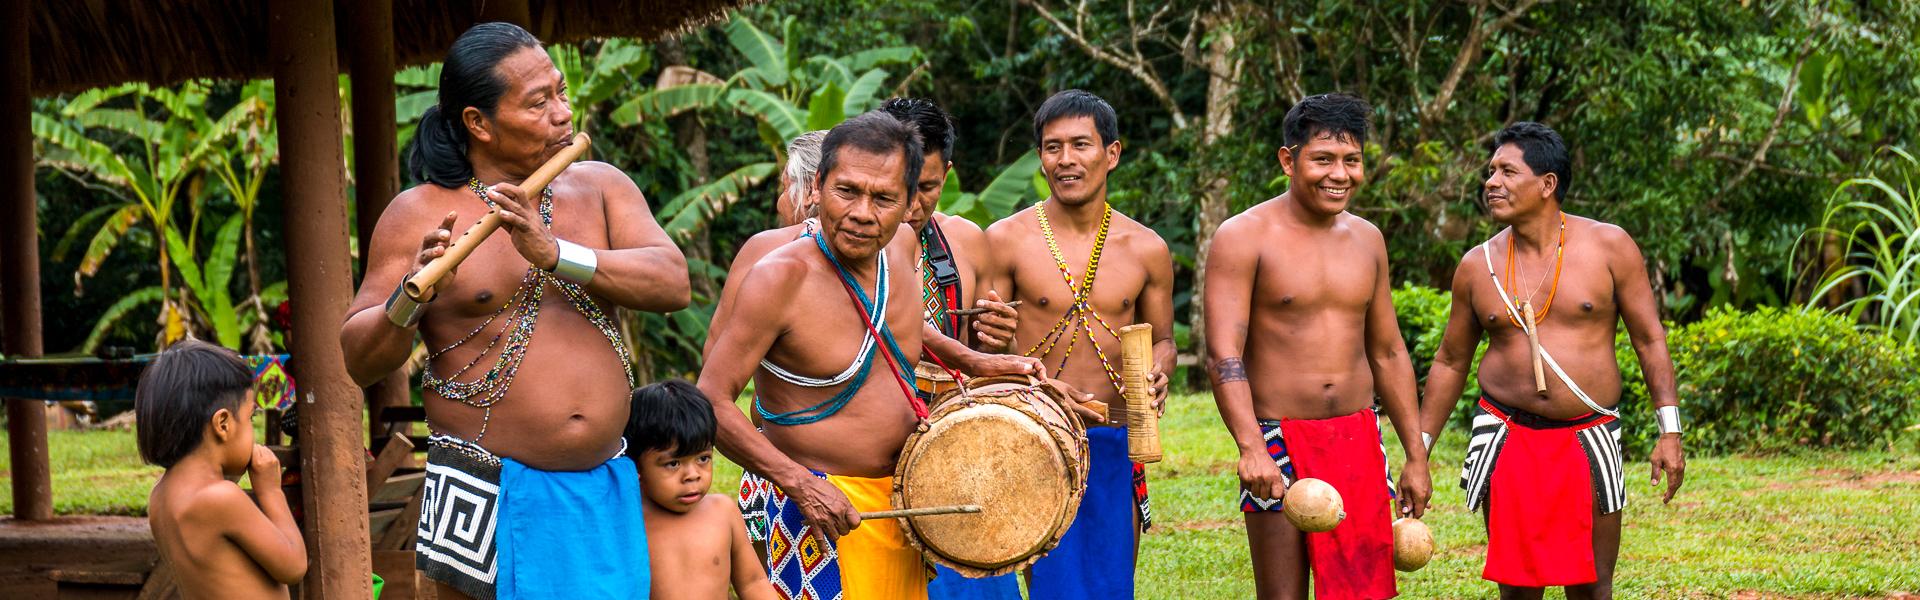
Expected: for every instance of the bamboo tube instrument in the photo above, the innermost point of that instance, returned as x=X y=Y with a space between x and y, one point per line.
x=1136 y=366
x=1533 y=340
x=420 y=286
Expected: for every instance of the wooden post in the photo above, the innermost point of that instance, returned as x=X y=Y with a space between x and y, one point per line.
x=369 y=43
x=20 y=265
x=302 y=49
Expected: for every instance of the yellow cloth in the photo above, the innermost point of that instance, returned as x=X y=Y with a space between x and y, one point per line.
x=876 y=563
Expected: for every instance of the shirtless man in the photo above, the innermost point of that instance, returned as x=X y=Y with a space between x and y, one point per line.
x=1132 y=282
x=1544 y=466
x=951 y=251
x=952 y=248
x=794 y=209
x=1302 y=329
x=830 y=441
x=533 y=301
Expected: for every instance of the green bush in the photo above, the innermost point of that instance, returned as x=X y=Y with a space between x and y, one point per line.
x=1759 y=381
x=1775 y=379
x=1422 y=313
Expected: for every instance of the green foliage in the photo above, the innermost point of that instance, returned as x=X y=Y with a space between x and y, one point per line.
x=1875 y=221
x=1778 y=379
x=1422 y=314
x=1001 y=198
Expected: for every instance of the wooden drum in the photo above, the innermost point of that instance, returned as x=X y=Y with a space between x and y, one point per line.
x=932 y=380
x=1007 y=445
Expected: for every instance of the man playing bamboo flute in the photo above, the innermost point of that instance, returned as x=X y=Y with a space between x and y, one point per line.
x=1082 y=270
x=1544 y=463
x=834 y=428
x=1302 y=331
x=527 y=380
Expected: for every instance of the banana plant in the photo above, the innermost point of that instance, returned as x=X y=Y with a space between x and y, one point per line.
x=244 y=143
x=771 y=92
x=1001 y=197
x=154 y=175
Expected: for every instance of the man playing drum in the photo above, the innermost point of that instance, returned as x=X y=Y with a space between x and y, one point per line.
x=1302 y=334
x=830 y=441
x=951 y=251
x=507 y=451
x=1544 y=462
x=1082 y=270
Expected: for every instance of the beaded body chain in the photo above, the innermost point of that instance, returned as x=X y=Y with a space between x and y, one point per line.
x=1080 y=315
x=522 y=312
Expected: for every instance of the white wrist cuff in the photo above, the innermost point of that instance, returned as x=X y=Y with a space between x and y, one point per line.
x=1669 y=419
x=576 y=263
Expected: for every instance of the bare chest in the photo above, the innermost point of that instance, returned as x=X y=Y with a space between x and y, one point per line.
x=1308 y=280
x=828 y=323
x=1582 y=298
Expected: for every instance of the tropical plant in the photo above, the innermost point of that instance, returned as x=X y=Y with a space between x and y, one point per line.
x=169 y=148
x=245 y=143
x=770 y=91
x=1001 y=197
x=1875 y=221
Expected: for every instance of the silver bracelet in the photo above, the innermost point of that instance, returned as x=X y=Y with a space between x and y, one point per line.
x=1427 y=439
x=402 y=310
x=1669 y=419
x=576 y=262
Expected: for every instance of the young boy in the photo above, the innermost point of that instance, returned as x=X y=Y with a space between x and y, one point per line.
x=697 y=541
x=195 y=409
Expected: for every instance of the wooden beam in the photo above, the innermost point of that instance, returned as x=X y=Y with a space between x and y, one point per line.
x=303 y=51
x=20 y=265
x=369 y=43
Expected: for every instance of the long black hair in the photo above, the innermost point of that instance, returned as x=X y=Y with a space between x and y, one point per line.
x=467 y=78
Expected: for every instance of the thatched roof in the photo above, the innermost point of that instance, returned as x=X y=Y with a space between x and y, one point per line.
x=80 y=44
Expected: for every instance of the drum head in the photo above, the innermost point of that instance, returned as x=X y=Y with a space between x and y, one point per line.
x=1002 y=459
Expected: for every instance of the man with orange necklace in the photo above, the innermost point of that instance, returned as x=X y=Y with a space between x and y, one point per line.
x=1544 y=461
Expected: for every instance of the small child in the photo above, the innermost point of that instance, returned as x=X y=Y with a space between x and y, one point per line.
x=697 y=542
x=195 y=410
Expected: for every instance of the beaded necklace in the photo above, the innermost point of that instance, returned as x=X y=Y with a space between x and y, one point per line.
x=1559 y=253
x=1082 y=306
x=523 y=312
x=863 y=364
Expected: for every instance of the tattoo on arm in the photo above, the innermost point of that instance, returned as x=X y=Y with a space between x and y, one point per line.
x=1229 y=370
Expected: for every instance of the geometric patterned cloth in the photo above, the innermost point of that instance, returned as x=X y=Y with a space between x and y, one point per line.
x=1276 y=449
x=459 y=508
x=754 y=493
x=800 y=566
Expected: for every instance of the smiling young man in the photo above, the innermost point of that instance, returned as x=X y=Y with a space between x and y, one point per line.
x=1116 y=272
x=833 y=430
x=1302 y=329
x=1548 y=292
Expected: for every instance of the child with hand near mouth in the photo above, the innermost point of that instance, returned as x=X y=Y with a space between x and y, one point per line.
x=697 y=542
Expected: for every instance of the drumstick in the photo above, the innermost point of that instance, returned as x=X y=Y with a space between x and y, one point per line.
x=420 y=286
x=1136 y=364
x=1533 y=339
x=968 y=312
x=921 y=512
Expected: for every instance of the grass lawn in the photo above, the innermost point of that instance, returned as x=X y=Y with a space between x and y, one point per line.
x=1812 y=525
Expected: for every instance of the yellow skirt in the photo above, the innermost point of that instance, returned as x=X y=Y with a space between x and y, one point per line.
x=876 y=563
